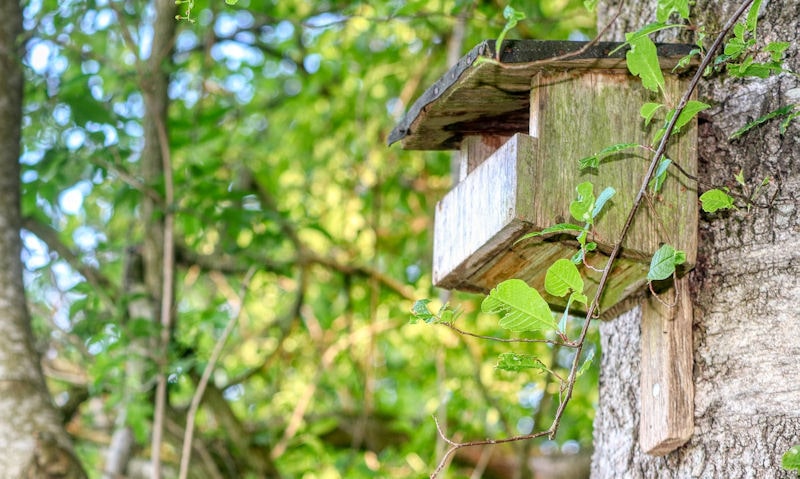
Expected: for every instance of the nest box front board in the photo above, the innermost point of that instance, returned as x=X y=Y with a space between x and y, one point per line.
x=521 y=126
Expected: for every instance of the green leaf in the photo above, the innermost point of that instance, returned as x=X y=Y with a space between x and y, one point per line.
x=643 y=32
x=594 y=160
x=660 y=175
x=716 y=199
x=553 y=229
x=420 y=312
x=785 y=123
x=581 y=208
x=519 y=362
x=740 y=177
x=586 y=363
x=521 y=306
x=231 y=2
x=642 y=61
x=590 y=4
x=776 y=49
x=605 y=195
x=666 y=7
x=512 y=18
x=752 y=17
x=791 y=459
x=693 y=107
x=648 y=110
x=662 y=266
x=563 y=277
x=784 y=110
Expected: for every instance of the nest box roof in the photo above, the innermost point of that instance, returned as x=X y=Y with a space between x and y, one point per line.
x=479 y=96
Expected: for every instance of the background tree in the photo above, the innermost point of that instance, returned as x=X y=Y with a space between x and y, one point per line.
x=32 y=439
x=254 y=136
x=745 y=287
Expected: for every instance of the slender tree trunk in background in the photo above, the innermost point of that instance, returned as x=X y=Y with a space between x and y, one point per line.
x=746 y=287
x=33 y=443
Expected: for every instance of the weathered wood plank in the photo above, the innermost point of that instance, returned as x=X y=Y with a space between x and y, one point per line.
x=478 y=97
x=667 y=389
x=475 y=150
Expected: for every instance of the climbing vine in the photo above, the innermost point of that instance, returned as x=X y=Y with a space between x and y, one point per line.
x=521 y=308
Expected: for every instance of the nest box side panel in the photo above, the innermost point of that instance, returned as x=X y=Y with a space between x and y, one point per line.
x=479 y=220
x=580 y=113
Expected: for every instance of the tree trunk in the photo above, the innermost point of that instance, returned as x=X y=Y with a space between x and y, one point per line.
x=33 y=442
x=745 y=288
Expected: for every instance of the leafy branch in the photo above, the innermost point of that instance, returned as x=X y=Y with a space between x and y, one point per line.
x=525 y=310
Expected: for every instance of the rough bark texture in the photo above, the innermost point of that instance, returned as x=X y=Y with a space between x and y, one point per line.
x=33 y=443
x=745 y=288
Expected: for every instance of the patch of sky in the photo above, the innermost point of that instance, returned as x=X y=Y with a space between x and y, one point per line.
x=525 y=425
x=134 y=129
x=240 y=86
x=39 y=54
x=185 y=41
x=90 y=67
x=234 y=53
x=530 y=396
x=96 y=88
x=61 y=114
x=35 y=253
x=86 y=238
x=70 y=201
x=74 y=138
x=312 y=62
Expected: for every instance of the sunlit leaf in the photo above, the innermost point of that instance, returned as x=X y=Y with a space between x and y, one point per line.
x=515 y=362
x=715 y=200
x=642 y=59
x=581 y=208
x=663 y=264
x=521 y=307
x=562 y=277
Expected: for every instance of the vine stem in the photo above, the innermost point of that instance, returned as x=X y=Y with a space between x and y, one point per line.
x=551 y=431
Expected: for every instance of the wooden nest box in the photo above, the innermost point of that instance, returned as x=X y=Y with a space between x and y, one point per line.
x=521 y=126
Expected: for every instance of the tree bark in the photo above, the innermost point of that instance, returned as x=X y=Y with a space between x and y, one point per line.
x=745 y=288
x=33 y=442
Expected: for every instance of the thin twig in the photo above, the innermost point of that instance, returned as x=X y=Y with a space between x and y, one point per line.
x=237 y=306
x=506 y=340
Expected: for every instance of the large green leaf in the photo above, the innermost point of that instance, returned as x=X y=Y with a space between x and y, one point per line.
x=791 y=459
x=662 y=266
x=716 y=199
x=521 y=306
x=515 y=362
x=581 y=208
x=642 y=61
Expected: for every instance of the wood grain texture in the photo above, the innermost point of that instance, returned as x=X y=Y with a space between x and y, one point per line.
x=477 y=97
x=529 y=183
x=667 y=389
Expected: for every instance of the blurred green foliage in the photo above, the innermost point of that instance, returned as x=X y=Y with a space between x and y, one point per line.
x=277 y=125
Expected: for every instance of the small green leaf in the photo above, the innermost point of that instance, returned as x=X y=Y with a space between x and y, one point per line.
x=581 y=208
x=521 y=306
x=594 y=160
x=590 y=4
x=420 y=311
x=512 y=18
x=785 y=123
x=791 y=459
x=643 y=32
x=642 y=61
x=231 y=2
x=784 y=110
x=519 y=362
x=752 y=17
x=776 y=50
x=601 y=201
x=580 y=297
x=666 y=7
x=693 y=107
x=740 y=177
x=648 y=110
x=561 y=227
x=563 y=277
x=716 y=199
x=586 y=363
x=660 y=175
x=662 y=266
